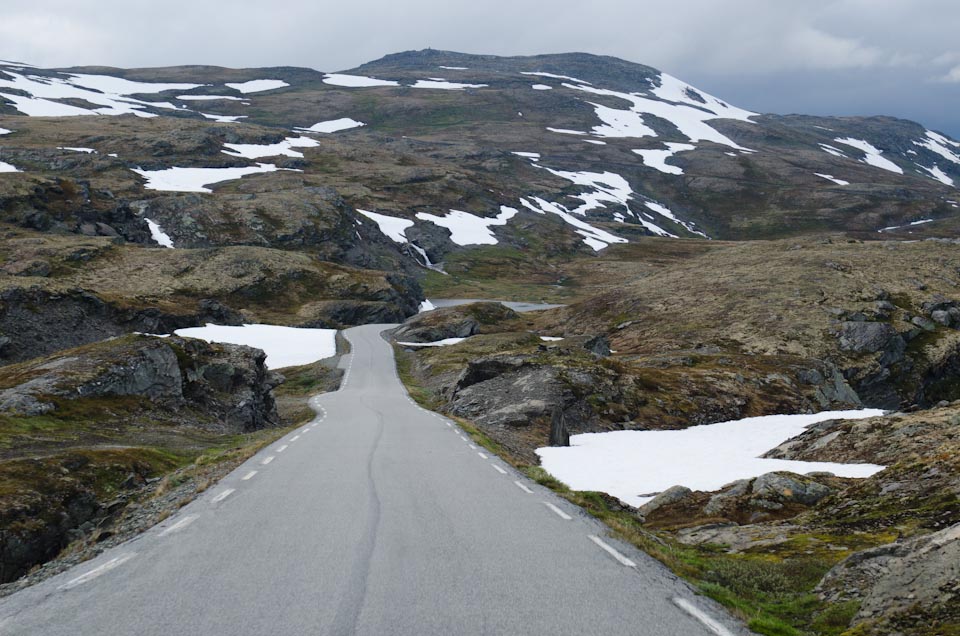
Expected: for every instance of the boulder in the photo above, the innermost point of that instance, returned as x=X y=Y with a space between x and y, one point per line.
x=787 y=487
x=670 y=496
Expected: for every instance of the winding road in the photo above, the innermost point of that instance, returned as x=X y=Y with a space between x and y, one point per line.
x=378 y=518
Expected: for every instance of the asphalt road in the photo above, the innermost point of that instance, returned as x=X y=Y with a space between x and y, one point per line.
x=377 y=518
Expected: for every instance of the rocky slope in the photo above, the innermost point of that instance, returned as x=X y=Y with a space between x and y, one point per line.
x=80 y=428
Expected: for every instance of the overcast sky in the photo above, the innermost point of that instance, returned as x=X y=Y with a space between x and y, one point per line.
x=895 y=57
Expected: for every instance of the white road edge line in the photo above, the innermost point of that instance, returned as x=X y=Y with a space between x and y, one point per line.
x=97 y=571
x=612 y=551
x=283 y=448
x=498 y=469
x=180 y=525
x=226 y=493
x=482 y=456
x=701 y=616
x=249 y=475
x=560 y=513
x=523 y=487
x=267 y=460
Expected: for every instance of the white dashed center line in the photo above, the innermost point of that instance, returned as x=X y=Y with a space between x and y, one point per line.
x=97 y=571
x=698 y=614
x=523 y=487
x=267 y=460
x=498 y=469
x=180 y=525
x=560 y=513
x=482 y=456
x=226 y=493
x=283 y=448
x=294 y=438
x=612 y=552
x=249 y=475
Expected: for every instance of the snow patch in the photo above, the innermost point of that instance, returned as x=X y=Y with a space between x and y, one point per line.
x=566 y=131
x=202 y=98
x=119 y=86
x=333 y=125
x=940 y=145
x=356 y=81
x=595 y=238
x=110 y=94
x=4 y=131
x=224 y=119
x=469 y=229
x=437 y=343
x=426 y=305
x=391 y=226
x=897 y=227
x=284 y=346
x=627 y=464
x=158 y=235
x=85 y=151
x=555 y=76
x=689 y=115
x=541 y=87
x=195 y=179
x=830 y=177
x=833 y=150
x=872 y=155
x=257 y=86
x=455 y=68
x=664 y=211
x=284 y=148
x=938 y=174
x=532 y=156
x=551 y=338
x=445 y=85
x=657 y=159
x=6 y=167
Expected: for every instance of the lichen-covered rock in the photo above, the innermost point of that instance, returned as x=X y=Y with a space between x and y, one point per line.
x=891 y=579
x=671 y=495
x=788 y=488
x=220 y=385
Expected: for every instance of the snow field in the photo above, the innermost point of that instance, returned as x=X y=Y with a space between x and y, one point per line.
x=333 y=125
x=632 y=464
x=196 y=179
x=284 y=346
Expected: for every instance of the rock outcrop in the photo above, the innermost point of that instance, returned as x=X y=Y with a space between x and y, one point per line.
x=460 y=321
x=102 y=415
x=892 y=579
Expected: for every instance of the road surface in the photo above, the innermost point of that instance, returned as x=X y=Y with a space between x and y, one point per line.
x=378 y=518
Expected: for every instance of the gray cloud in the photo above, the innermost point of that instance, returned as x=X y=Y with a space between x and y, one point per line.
x=740 y=49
